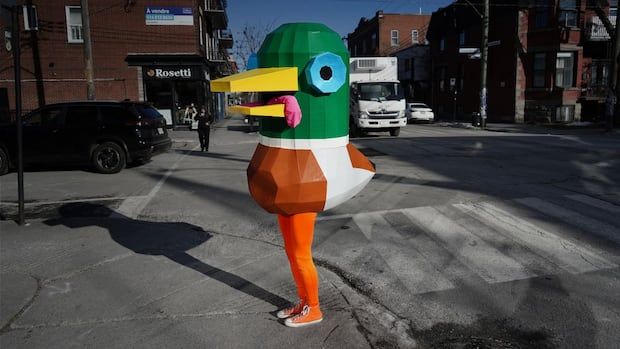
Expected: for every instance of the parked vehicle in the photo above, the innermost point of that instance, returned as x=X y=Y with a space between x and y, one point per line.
x=108 y=135
x=420 y=112
x=377 y=100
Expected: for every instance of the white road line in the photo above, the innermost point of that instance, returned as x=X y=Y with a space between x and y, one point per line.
x=107 y=198
x=482 y=258
x=132 y=207
x=588 y=200
x=596 y=227
x=407 y=263
x=351 y=215
x=561 y=252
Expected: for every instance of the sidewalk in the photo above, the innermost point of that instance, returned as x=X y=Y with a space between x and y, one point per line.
x=104 y=282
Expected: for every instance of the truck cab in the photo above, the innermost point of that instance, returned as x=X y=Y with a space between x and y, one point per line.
x=377 y=101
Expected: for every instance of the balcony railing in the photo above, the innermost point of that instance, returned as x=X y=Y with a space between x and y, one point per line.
x=215 y=10
x=595 y=30
x=225 y=38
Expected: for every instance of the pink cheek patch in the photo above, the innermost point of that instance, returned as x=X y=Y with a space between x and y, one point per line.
x=292 y=111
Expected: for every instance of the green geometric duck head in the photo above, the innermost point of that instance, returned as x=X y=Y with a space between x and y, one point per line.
x=321 y=63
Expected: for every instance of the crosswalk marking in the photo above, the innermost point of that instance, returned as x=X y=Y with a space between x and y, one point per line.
x=434 y=248
x=588 y=200
x=567 y=255
x=596 y=227
x=486 y=261
x=411 y=267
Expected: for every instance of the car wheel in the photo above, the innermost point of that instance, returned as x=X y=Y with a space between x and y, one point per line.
x=108 y=158
x=4 y=162
x=395 y=132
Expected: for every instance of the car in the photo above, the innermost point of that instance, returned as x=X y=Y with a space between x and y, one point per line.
x=419 y=112
x=106 y=135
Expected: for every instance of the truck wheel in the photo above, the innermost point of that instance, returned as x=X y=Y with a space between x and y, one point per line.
x=4 y=162
x=395 y=132
x=108 y=158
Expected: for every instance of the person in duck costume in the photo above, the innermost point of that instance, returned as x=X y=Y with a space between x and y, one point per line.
x=304 y=163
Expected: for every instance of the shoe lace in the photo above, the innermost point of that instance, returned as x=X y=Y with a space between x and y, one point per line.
x=304 y=312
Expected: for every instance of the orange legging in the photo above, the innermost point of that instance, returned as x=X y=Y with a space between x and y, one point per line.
x=297 y=231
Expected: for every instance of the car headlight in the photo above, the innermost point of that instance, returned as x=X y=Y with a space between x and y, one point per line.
x=363 y=115
x=401 y=114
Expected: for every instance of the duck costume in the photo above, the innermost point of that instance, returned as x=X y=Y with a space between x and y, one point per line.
x=304 y=163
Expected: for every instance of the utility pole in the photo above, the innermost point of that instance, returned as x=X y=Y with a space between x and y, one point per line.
x=18 y=111
x=483 y=65
x=610 y=111
x=88 y=52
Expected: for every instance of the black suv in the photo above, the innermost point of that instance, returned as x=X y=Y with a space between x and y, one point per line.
x=108 y=135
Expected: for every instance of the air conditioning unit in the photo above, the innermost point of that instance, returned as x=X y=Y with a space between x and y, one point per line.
x=368 y=64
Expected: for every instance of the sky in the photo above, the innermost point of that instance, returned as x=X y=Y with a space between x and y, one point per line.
x=340 y=15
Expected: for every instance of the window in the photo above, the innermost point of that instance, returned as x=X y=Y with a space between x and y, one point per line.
x=564 y=69
x=442 y=44
x=81 y=117
x=442 y=79
x=414 y=36
x=462 y=38
x=116 y=116
x=364 y=47
x=541 y=13
x=373 y=41
x=74 y=24
x=539 y=70
x=407 y=64
x=567 y=13
x=380 y=91
x=460 y=78
x=613 y=8
x=394 y=36
x=46 y=118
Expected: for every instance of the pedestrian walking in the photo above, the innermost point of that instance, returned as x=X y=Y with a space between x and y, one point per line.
x=204 y=128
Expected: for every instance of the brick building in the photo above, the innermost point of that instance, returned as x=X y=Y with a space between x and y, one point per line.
x=143 y=50
x=387 y=33
x=548 y=60
x=414 y=72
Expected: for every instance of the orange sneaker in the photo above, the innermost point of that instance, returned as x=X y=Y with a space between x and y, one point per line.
x=308 y=316
x=290 y=311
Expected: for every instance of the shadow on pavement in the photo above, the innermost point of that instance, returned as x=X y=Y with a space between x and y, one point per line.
x=171 y=240
x=212 y=155
x=243 y=128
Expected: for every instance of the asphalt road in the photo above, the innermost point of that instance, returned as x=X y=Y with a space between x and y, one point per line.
x=464 y=238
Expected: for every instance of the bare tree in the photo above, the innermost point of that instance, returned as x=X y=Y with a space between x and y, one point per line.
x=249 y=40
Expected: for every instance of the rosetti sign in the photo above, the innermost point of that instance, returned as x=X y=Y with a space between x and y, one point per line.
x=171 y=73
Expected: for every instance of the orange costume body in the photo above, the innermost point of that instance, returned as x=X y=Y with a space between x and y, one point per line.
x=304 y=163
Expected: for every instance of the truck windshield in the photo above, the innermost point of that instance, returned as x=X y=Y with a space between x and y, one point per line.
x=380 y=91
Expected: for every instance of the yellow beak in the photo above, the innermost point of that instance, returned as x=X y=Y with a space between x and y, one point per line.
x=259 y=80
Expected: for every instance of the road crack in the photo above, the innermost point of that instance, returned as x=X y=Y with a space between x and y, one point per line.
x=8 y=326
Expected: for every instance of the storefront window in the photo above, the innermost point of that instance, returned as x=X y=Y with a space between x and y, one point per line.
x=177 y=92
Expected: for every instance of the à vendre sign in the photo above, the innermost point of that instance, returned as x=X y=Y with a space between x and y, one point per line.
x=169 y=15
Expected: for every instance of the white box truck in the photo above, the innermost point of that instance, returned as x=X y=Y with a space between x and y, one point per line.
x=377 y=99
